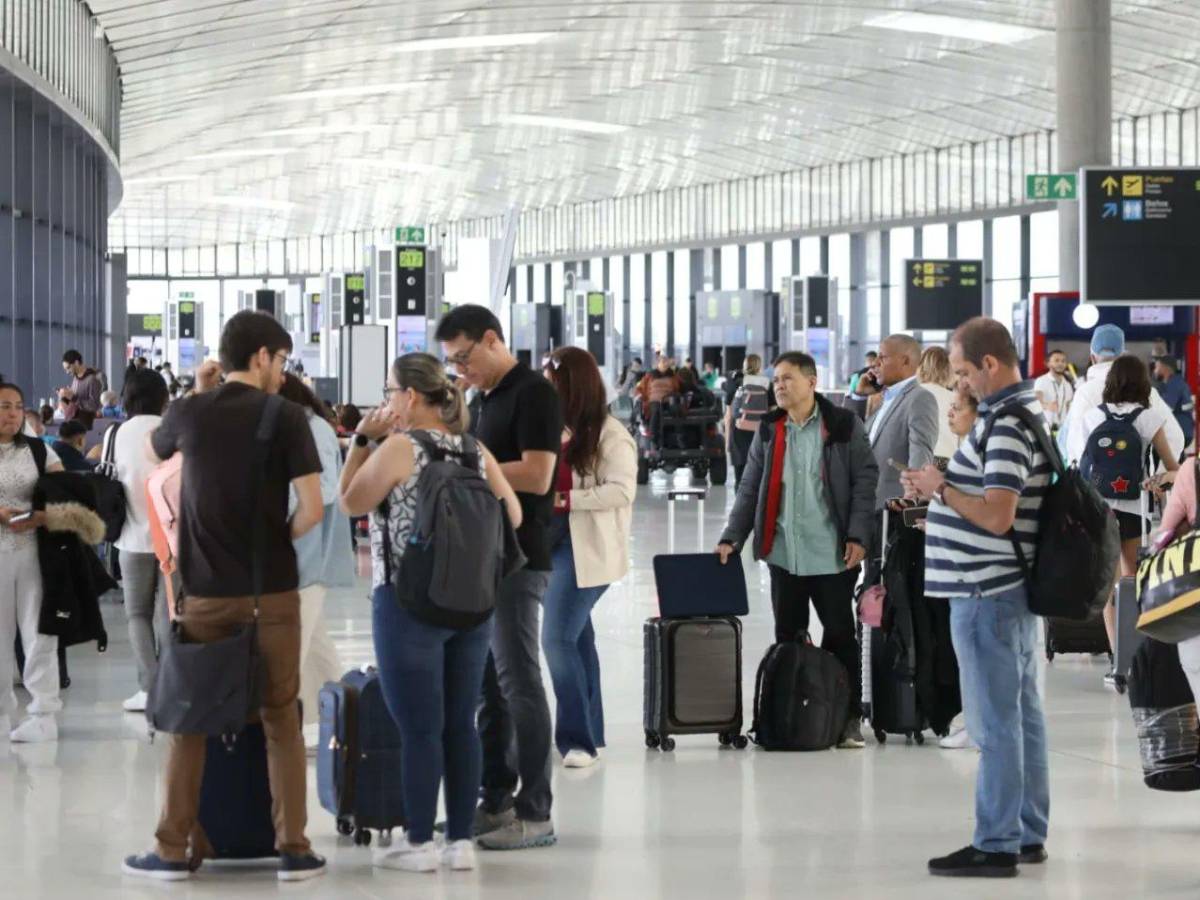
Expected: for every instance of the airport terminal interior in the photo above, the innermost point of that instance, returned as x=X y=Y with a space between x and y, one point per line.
x=671 y=184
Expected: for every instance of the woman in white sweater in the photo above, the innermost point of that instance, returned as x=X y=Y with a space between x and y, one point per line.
x=593 y=505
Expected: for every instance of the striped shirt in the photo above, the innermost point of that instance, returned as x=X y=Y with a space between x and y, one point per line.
x=962 y=559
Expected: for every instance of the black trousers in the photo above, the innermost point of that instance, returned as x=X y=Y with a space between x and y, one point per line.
x=833 y=597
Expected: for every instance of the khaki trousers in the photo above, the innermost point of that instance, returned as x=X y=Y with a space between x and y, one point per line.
x=209 y=619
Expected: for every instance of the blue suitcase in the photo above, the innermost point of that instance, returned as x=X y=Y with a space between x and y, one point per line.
x=235 y=798
x=358 y=757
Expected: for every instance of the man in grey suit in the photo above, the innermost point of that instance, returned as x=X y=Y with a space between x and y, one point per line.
x=905 y=427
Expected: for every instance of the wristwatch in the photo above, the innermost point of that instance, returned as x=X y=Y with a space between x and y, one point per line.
x=940 y=493
x=360 y=440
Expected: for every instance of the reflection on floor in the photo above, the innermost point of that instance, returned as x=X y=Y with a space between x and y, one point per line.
x=701 y=822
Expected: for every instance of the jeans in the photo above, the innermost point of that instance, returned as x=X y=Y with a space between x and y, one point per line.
x=996 y=641
x=145 y=592
x=208 y=619
x=570 y=646
x=431 y=678
x=833 y=596
x=514 y=720
x=20 y=610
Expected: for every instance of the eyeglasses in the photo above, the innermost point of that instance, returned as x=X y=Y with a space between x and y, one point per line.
x=388 y=391
x=12 y=407
x=462 y=358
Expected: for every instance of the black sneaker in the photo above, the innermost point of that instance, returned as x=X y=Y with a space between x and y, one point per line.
x=300 y=868
x=151 y=865
x=971 y=863
x=1032 y=854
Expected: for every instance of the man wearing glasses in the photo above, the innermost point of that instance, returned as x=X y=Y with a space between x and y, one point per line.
x=521 y=424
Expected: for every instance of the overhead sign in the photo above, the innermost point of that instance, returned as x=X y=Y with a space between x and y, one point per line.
x=1050 y=187
x=410 y=234
x=356 y=299
x=410 y=281
x=941 y=294
x=145 y=325
x=1138 y=232
x=187 y=295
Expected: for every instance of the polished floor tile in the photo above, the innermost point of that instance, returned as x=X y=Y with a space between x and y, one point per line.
x=701 y=822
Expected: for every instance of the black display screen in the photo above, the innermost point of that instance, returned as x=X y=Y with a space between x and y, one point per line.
x=941 y=294
x=1141 y=236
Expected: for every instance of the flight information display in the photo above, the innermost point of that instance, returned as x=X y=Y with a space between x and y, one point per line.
x=1138 y=239
x=941 y=294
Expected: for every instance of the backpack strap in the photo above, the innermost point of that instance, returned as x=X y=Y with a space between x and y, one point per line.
x=109 y=453
x=467 y=455
x=38 y=448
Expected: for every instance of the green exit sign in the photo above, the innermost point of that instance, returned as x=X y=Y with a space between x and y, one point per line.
x=1050 y=187
x=410 y=234
x=186 y=295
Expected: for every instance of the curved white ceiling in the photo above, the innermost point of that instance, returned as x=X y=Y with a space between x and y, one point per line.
x=262 y=119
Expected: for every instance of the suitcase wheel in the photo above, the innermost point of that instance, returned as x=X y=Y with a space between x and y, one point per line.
x=1049 y=655
x=668 y=744
x=344 y=827
x=362 y=838
x=652 y=741
x=919 y=737
x=725 y=738
x=881 y=735
x=740 y=742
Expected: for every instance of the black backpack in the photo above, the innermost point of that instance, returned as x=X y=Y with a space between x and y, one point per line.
x=461 y=545
x=801 y=698
x=1078 y=543
x=1112 y=459
x=111 y=503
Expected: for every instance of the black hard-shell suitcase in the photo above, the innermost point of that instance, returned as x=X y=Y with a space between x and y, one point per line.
x=358 y=757
x=1075 y=636
x=693 y=679
x=235 y=798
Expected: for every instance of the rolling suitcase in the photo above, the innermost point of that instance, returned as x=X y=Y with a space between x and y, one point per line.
x=889 y=692
x=358 y=757
x=1075 y=636
x=1128 y=638
x=693 y=680
x=235 y=800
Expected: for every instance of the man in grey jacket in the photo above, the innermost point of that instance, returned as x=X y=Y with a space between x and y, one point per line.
x=904 y=429
x=808 y=494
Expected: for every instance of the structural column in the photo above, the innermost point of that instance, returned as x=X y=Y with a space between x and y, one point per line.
x=1083 y=60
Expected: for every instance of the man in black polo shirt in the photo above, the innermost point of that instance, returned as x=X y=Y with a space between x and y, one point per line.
x=521 y=423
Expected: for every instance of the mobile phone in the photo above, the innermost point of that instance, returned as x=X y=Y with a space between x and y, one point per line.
x=914 y=515
x=21 y=517
x=899 y=467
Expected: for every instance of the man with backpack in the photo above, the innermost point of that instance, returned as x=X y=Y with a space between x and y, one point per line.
x=809 y=497
x=983 y=511
x=521 y=424
x=226 y=486
x=750 y=404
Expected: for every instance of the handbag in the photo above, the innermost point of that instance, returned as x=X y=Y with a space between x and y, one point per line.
x=211 y=688
x=1168 y=587
x=111 y=502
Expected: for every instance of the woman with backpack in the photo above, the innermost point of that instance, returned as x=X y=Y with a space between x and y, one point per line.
x=593 y=506
x=750 y=404
x=322 y=558
x=431 y=675
x=1120 y=433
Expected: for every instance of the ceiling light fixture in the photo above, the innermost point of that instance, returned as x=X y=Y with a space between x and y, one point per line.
x=564 y=124
x=250 y=202
x=955 y=27
x=310 y=130
x=400 y=165
x=247 y=153
x=473 y=42
x=158 y=179
x=353 y=90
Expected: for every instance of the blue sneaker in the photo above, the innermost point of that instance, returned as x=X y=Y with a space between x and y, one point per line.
x=300 y=868
x=151 y=865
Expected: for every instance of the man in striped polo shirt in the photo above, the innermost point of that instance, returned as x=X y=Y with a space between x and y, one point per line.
x=989 y=497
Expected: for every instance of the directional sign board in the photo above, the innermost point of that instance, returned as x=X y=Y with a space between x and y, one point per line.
x=1138 y=234
x=941 y=294
x=410 y=234
x=1050 y=187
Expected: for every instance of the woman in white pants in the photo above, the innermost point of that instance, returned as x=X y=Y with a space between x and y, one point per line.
x=21 y=579
x=323 y=557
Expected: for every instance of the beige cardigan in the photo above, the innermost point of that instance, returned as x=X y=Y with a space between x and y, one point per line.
x=602 y=509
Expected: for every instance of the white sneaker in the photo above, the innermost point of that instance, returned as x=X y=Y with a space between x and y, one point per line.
x=407 y=857
x=459 y=856
x=136 y=703
x=35 y=730
x=579 y=759
x=958 y=740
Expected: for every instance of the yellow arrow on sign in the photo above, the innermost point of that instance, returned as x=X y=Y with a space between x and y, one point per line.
x=1109 y=184
x=916 y=282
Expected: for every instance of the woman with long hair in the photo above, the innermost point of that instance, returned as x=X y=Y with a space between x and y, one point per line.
x=593 y=505
x=322 y=557
x=431 y=676
x=935 y=376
